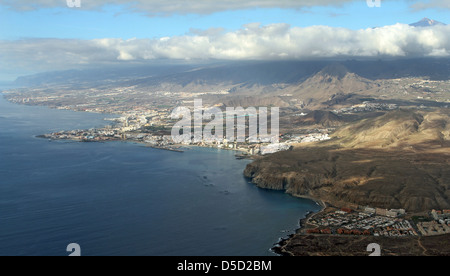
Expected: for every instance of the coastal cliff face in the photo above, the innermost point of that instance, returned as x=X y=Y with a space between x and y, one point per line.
x=345 y=177
x=410 y=172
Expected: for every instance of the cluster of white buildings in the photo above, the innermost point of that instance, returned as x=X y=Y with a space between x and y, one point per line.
x=393 y=213
x=316 y=137
x=308 y=138
x=368 y=221
x=273 y=148
x=438 y=226
x=366 y=107
x=399 y=229
x=433 y=228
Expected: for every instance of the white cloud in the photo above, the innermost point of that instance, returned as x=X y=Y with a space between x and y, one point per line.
x=251 y=42
x=431 y=4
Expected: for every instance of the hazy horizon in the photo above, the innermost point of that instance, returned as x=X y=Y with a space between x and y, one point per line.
x=44 y=36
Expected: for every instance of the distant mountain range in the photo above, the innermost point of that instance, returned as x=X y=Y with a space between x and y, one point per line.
x=426 y=22
x=300 y=84
x=323 y=83
x=246 y=74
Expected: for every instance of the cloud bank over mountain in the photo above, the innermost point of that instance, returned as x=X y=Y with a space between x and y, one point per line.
x=431 y=4
x=251 y=42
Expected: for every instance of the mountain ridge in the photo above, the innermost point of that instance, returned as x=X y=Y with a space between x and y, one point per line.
x=243 y=73
x=426 y=22
x=331 y=85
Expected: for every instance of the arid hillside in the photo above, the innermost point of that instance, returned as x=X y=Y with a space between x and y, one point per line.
x=331 y=85
x=403 y=129
x=399 y=160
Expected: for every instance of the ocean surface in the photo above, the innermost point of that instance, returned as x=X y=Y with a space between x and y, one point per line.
x=124 y=199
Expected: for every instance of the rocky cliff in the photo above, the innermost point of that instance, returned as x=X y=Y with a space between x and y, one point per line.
x=410 y=169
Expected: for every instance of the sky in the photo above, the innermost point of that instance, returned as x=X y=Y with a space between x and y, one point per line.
x=48 y=35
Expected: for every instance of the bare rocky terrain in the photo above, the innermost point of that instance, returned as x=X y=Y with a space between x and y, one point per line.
x=310 y=245
x=398 y=160
x=310 y=85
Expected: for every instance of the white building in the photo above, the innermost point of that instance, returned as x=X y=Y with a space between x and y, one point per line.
x=369 y=210
x=273 y=148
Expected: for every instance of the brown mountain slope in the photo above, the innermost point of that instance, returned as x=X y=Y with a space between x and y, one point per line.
x=402 y=128
x=400 y=160
x=332 y=86
x=257 y=101
x=334 y=81
x=319 y=117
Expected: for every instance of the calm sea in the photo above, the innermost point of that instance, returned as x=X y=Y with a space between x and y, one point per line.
x=125 y=199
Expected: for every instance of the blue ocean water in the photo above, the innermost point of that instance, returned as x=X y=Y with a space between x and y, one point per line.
x=125 y=199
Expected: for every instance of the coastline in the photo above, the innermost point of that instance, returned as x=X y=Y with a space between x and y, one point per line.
x=303 y=222
x=240 y=153
x=278 y=248
x=284 y=244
